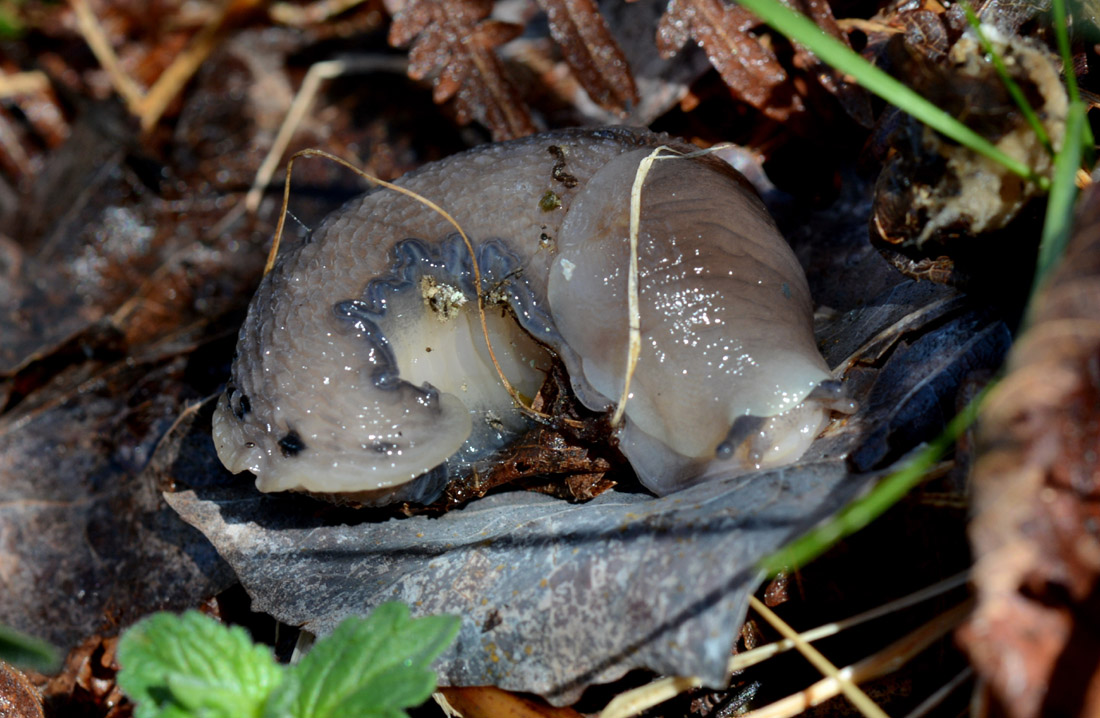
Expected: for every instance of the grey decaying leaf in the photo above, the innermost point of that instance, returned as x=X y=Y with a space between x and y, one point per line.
x=80 y=529
x=554 y=596
x=111 y=314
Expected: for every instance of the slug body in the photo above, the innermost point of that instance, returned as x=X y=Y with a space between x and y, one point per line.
x=362 y=369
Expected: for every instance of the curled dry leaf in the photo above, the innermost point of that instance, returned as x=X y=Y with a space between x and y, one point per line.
x=1033 y=637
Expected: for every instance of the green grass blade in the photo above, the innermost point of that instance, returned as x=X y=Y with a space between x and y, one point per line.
x=1058 y=222
x=1061 y=34
x=22 y=650
x=834 y=53
x=863 y=511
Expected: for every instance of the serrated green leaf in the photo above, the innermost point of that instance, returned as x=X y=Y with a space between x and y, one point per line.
x=368 y=667
x=191 y=665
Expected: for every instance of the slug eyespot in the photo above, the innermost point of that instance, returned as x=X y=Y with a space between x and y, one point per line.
x=336 y=342
x=291 y=444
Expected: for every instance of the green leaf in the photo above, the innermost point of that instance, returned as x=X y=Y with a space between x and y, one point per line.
x=22 y=650
x=375 y=666
x=191 y=665
x=1058 y=223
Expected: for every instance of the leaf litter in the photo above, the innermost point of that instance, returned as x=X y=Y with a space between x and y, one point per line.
x=120 y=311
x=860 y=307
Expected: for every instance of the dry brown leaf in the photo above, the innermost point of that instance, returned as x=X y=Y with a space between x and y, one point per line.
x=492 y=702
x=86 y=683
x=748 y=68
x=1034 y=637
x=851 y=96
x=589 y=48
x=454 y=44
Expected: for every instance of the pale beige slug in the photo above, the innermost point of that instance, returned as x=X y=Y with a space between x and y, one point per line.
x=362 y=369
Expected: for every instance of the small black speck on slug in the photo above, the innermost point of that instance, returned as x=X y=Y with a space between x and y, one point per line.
x=362 y=369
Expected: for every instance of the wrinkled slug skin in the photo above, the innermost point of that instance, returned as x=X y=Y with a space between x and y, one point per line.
x=361 y=369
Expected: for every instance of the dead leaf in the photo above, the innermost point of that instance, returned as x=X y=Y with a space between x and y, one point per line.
x=453 y=44
x=750 y=70
x=118 y=313
x=592 y=53
x=81 y=529
x=1033 y=637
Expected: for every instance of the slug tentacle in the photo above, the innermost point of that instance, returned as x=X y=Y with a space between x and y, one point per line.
x=365 y=343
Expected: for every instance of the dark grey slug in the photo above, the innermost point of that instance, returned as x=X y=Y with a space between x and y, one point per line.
x=362 y=369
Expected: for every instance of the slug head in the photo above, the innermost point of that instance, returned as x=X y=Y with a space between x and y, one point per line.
x=366 y=392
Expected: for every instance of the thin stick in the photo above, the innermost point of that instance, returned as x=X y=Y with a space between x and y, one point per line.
x=97 y=40
x=638 y=700
x=757 y=655
x=882 y=663
x=851 y=691
x=23 y=83
x=311 y=85
x=170 y=82
x=430 y=205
